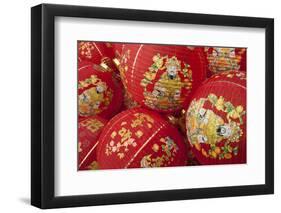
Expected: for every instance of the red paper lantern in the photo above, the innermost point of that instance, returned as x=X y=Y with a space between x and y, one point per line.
x=161 y=77
x=99 y=93
x=225 y=59
x=99 y=53
x=216 y=120
x=89 y=130
x=140 y=138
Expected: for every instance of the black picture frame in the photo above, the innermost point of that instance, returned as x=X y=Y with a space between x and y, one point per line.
x=43 y=102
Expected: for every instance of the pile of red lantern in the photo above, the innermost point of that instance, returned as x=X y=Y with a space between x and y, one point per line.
x=147 y=105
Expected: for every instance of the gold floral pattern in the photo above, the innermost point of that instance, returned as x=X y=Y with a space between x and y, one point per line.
x=86 y=49
x=95 y=99
x=91 y=124
x=121 y=147
x=124 y=138
x=204 y=126
x=168 y=152
x=167 y=90
x=140 y=119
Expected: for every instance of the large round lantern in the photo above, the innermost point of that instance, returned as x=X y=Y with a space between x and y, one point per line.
x=222 y=59
x=98 y=92
x=139 y=138
x=89 y=130
x=161 y=77
x=216 y=120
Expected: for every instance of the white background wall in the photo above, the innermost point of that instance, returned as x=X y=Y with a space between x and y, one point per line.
x=15 y=105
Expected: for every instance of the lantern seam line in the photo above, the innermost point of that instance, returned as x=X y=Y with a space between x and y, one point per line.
x=97 y=49
x=91 y=150
x=135 y=61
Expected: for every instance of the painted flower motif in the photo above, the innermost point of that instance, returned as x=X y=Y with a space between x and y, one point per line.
x=169 y=149
x=92 y=124
x=113 y=134
x=155 y=147
x=236 y=113
x=139 y=133
x=150 y=76
x=239 y=109
x=158 y=61
x=123 y=139
x=220 y=103
x=111 y=143
x=86 y=48
x=145 y=161
x=140 y=119
x=121 y=155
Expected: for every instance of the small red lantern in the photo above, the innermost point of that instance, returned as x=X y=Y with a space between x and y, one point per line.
x=161 y=77
x=99 y=93
x=222 y=59
x=89 y=130
x=216 y=120
x=140 y=138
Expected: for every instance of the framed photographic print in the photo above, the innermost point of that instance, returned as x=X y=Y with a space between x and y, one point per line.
x=139 y=106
